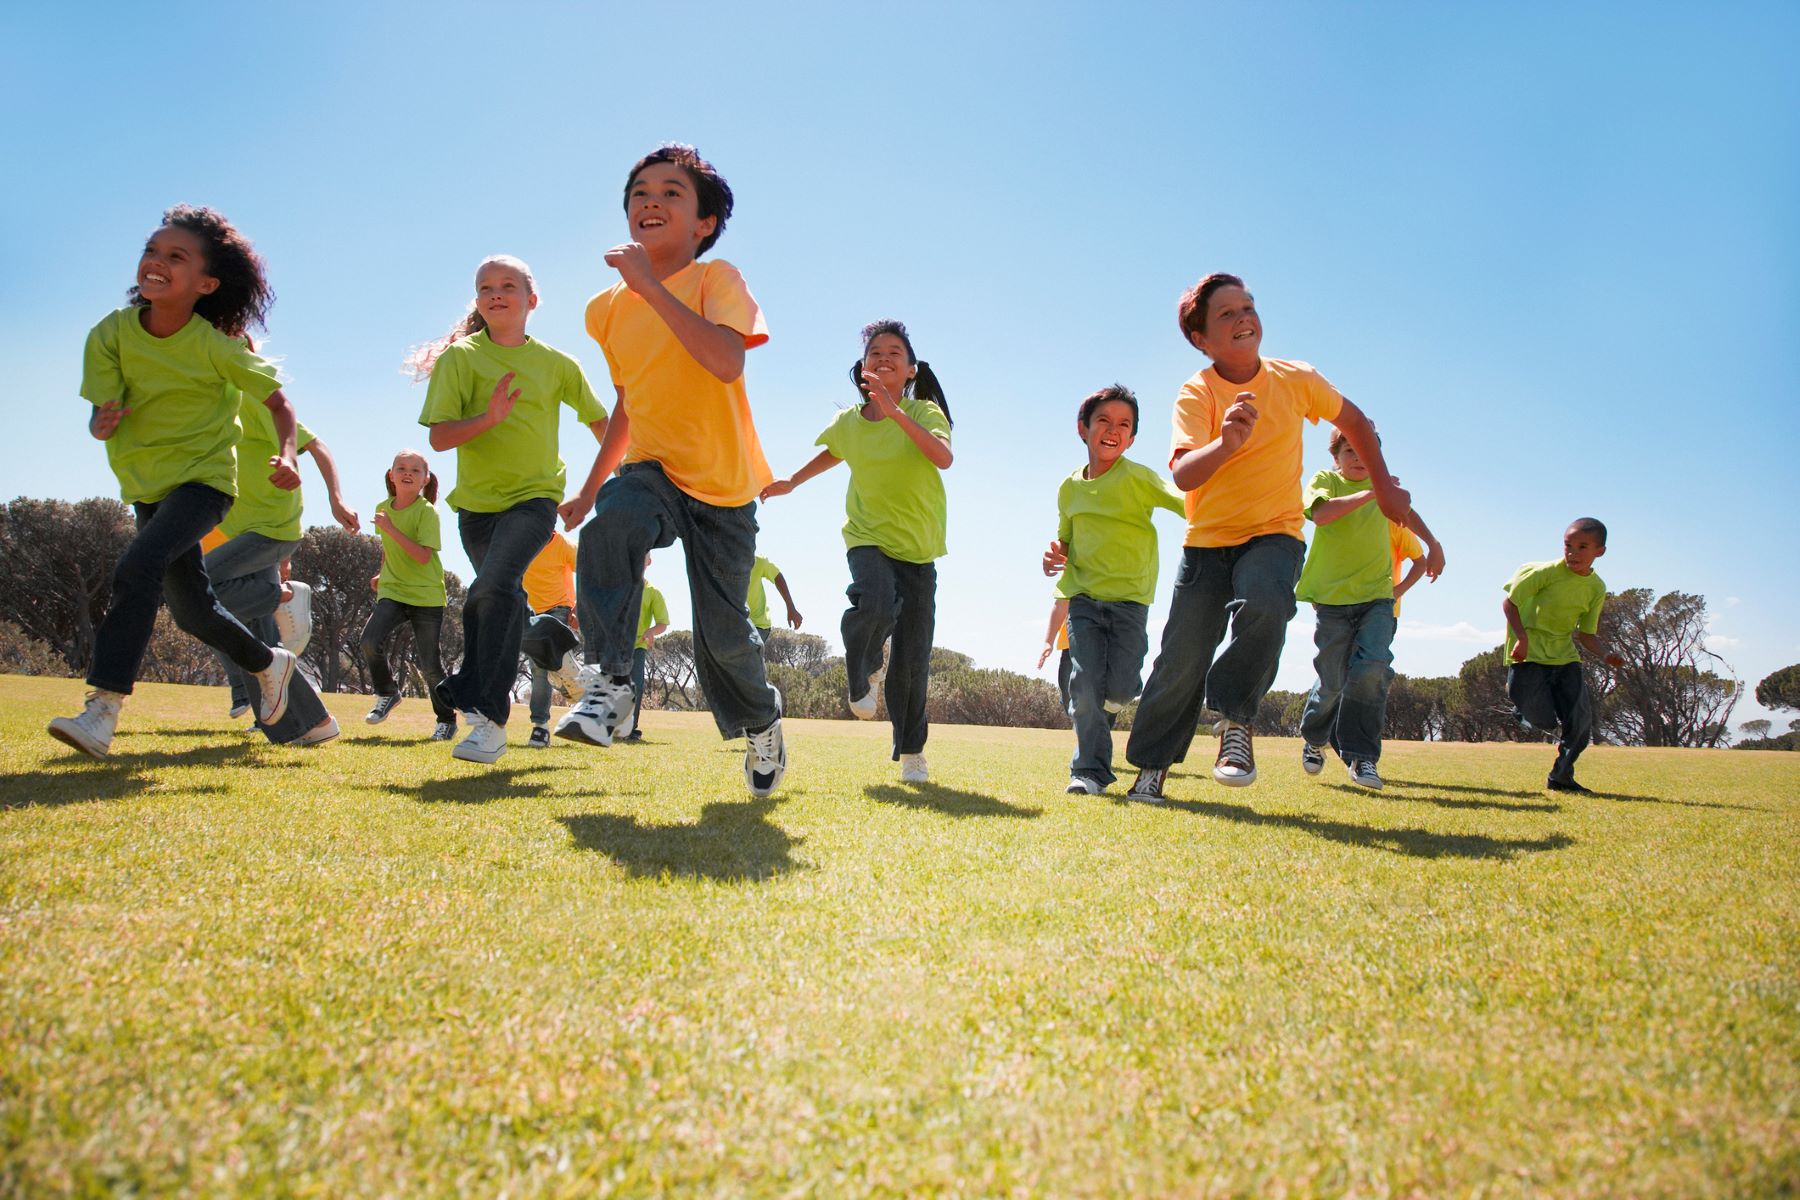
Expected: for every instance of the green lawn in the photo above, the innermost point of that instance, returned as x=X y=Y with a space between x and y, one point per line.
x=369 y=969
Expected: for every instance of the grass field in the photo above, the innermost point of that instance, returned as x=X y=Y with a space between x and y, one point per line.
x=368 y=969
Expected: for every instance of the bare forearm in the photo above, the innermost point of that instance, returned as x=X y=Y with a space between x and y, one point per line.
x=281 y=411
x=1413 y=572
x=1192 y=468
x=935 y=449
x=412 y=549
x=613 y=445
x=448 y=435
x=327 y=468
x=1336 y=509
x=1059 y=613
x=821 y=462
x=1514 y=619
x=719 y=349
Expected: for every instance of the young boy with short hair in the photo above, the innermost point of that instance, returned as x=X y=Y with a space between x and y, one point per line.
x=1549 y=607
x=674 y=331
x=1236 y=453
x=1105 y=548
x=1349 y=581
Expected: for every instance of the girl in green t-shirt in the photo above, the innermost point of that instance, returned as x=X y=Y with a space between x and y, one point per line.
x=409 y=588
x=155 y=373
x=897 y=443
x=495 y=397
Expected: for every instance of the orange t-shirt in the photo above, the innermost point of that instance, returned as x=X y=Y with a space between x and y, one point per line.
x=682 y=415
x=1404 y=546
x=1258 y=491
x=550 y=579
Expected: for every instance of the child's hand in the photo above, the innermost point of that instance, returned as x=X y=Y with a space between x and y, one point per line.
x=575 y=510
x=1396 y=506
x=778 y=487
x=104 y=421
x=283 y=473
x=1055 y=558
x=1240 y=419
x=346 y=516
x=1434 y=562
x=877 y=390
x=649 y=641
x=632 y=262
x=384 y=522
x=1044 y=654
x=793 y=619
x=1521 y=648
x=500 y=405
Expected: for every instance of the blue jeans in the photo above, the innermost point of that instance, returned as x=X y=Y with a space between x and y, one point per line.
x=639 y=661
x=638 y=511
x=1348 y=702
x=1248 y=588
x=163 y=562
x=246 y=577
x=1555 y=697
x=500 y=545
x=540 y=678
x=427 y=621
x=891 y=598
x=1107 y=643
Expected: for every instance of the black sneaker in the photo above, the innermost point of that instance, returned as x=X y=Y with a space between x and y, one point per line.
x=1312 y=758
x=1148 y=785
x=1567 y=785
x=540 y=738
x=383 y=706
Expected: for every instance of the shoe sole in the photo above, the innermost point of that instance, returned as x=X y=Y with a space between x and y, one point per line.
x=308 y=740
x=1367 y=787
x=74 y=739
x=478 y=756
x=1235 y=780
x=1312 y=768
x=576 y=730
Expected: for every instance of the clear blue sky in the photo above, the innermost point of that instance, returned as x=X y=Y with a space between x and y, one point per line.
x=1552 y=249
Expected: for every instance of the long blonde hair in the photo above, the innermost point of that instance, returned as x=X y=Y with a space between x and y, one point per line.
x=424 y=357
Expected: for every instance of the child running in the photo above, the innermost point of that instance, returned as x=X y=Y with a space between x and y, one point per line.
x=1056 y=641
x=763 y=571
x=409 y=588
x=1236 y=453
x=493 y=398
x=653 y=622
x=156 y=372
x=1105 y=548
x=1549 y=607
x=550 y=593
x=1349 y=581
x=675 y=331
x=898 y=446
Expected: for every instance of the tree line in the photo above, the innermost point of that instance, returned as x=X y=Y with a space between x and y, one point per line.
x=56 y=562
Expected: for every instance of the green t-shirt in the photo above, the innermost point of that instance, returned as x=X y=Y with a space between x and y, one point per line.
x=653 y=611
x=404 y=579
x=1554 y=602
x=516 y=460
x=895 y=501
x=1350 y=561
x=261 y=506
x=182 y=427
x=758 y=598
x=1105 y=525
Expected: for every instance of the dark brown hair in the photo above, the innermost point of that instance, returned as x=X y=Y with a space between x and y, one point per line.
x=1191 y=311
x=711 y=193
x=241 y=301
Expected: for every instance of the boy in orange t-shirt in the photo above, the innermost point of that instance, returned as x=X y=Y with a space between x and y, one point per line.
x=675 y=331
x=1236 y=453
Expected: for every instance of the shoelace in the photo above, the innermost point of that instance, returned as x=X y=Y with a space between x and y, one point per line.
x=764 y=745
x=1236 y=745
x=1151 y=779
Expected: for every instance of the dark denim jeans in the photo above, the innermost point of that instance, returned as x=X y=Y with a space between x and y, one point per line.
x=1247 y=588
x=891 y=598
x=1107 y=643
x=640 y=659
x=1348 y=702
x=500 y=545
x=638 y=511
x=246 y=577
x=427 y=621
x=540 y=678
x=1555 y=697
x=163 y=562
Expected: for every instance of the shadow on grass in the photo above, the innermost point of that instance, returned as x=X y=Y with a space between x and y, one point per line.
x=1470 y=788
x=486 y=785
x=732 y=843
x=78 y=779
x=1627 y=799
x=952 y=802
x=1448 y=802
x=1418 y=843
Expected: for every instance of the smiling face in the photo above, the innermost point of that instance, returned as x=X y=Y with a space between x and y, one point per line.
x=663 y=213
x=406 y=478
x=503 y=297
x=1349 y=463
x=172 y=270
x=1581 y=546
x=886 y=359
x=1233 y=331
x=1109 y=432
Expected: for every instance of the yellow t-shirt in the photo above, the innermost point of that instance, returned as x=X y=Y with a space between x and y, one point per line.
x=1258 y=491
x=682 y=415
x=550 y=579
x=1404 y=545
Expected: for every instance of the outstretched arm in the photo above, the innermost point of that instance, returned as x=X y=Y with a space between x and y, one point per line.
x=787 y=598
x=821 y=462
x=1596 y=645
x=1395 y=501
x=346 y=516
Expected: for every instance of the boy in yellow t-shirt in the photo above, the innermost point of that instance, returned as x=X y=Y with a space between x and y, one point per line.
x=1549 y=607
x=1236 y=453
x=675 y=331
x=550 y=593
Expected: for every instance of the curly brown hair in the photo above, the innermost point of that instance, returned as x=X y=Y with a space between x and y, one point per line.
x=243 y=298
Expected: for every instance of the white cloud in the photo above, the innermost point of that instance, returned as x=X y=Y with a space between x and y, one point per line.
x=1715 y=641
x=1462 y=631
x=1732 y=602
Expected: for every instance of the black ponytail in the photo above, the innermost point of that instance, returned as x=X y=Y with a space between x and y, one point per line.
x=923 y=385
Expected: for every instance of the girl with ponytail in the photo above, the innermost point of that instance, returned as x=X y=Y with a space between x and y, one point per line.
x=897 y=443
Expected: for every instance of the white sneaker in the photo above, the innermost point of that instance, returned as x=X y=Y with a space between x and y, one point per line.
x=91 y=732
x=485 y=743
x=1364 y=774
x=603 y=714
x=324 y=731
x=294 y=618
x=912 y=769
x=765 y=760
x=1081 y=785
x=272 y=682
x=864 y=709
x=567 y=676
